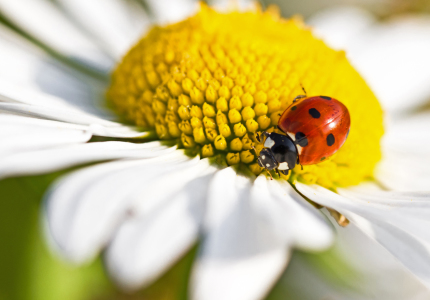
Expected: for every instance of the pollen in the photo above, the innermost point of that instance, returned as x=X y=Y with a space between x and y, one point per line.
x=213 y=81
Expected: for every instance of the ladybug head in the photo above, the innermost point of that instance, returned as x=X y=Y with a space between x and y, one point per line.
x=279 y=152
x=266 y=160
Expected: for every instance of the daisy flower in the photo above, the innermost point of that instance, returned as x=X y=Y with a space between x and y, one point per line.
x=197 y=91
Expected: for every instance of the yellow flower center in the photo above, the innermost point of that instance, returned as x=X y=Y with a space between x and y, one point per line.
x=214 y=80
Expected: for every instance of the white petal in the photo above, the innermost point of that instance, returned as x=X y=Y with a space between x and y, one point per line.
x=30 y=67
x=22 y=136
x=409 y=211
x=97 y=126
x=409 y=134
x=361 y=252
x=37 y=138
x=387 y=57
x=227 y=5
x=15 y=126
x=13 y=93
x=118 y=131
x=398 y=221
x=49 y=160
x=32 y=103
x=55 y=30
x=242 y=255
x=340 y=26
x=402 y=171
x=116 y=24
x=385 y=54
x=305 y=225
x=166 y=11
x=364 y=270
x=406 y=154
x=84 y=208
x=147 y=245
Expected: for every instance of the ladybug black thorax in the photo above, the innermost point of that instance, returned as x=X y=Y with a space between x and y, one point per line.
x=279 y=152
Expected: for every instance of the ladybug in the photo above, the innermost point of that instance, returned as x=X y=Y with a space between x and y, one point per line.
x=314 y=128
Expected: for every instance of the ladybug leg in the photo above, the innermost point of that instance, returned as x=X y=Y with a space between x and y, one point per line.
x=258 y=136
x=277 y=172
x=285 y=172
x=255 y=150
x=340 y=219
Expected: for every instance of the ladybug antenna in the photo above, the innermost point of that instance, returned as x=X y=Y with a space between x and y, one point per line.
x=303 y=89
x=255 y=150
x=257 y=136
x=300 y=96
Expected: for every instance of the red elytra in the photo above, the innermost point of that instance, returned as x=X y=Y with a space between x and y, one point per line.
x=318 y=125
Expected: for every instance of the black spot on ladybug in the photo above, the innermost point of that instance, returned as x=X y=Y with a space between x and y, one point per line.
x=325 y=97
x=330 y=139
x=294 y=107
x=322 y=158
x=314 y=113
x=301 y=139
